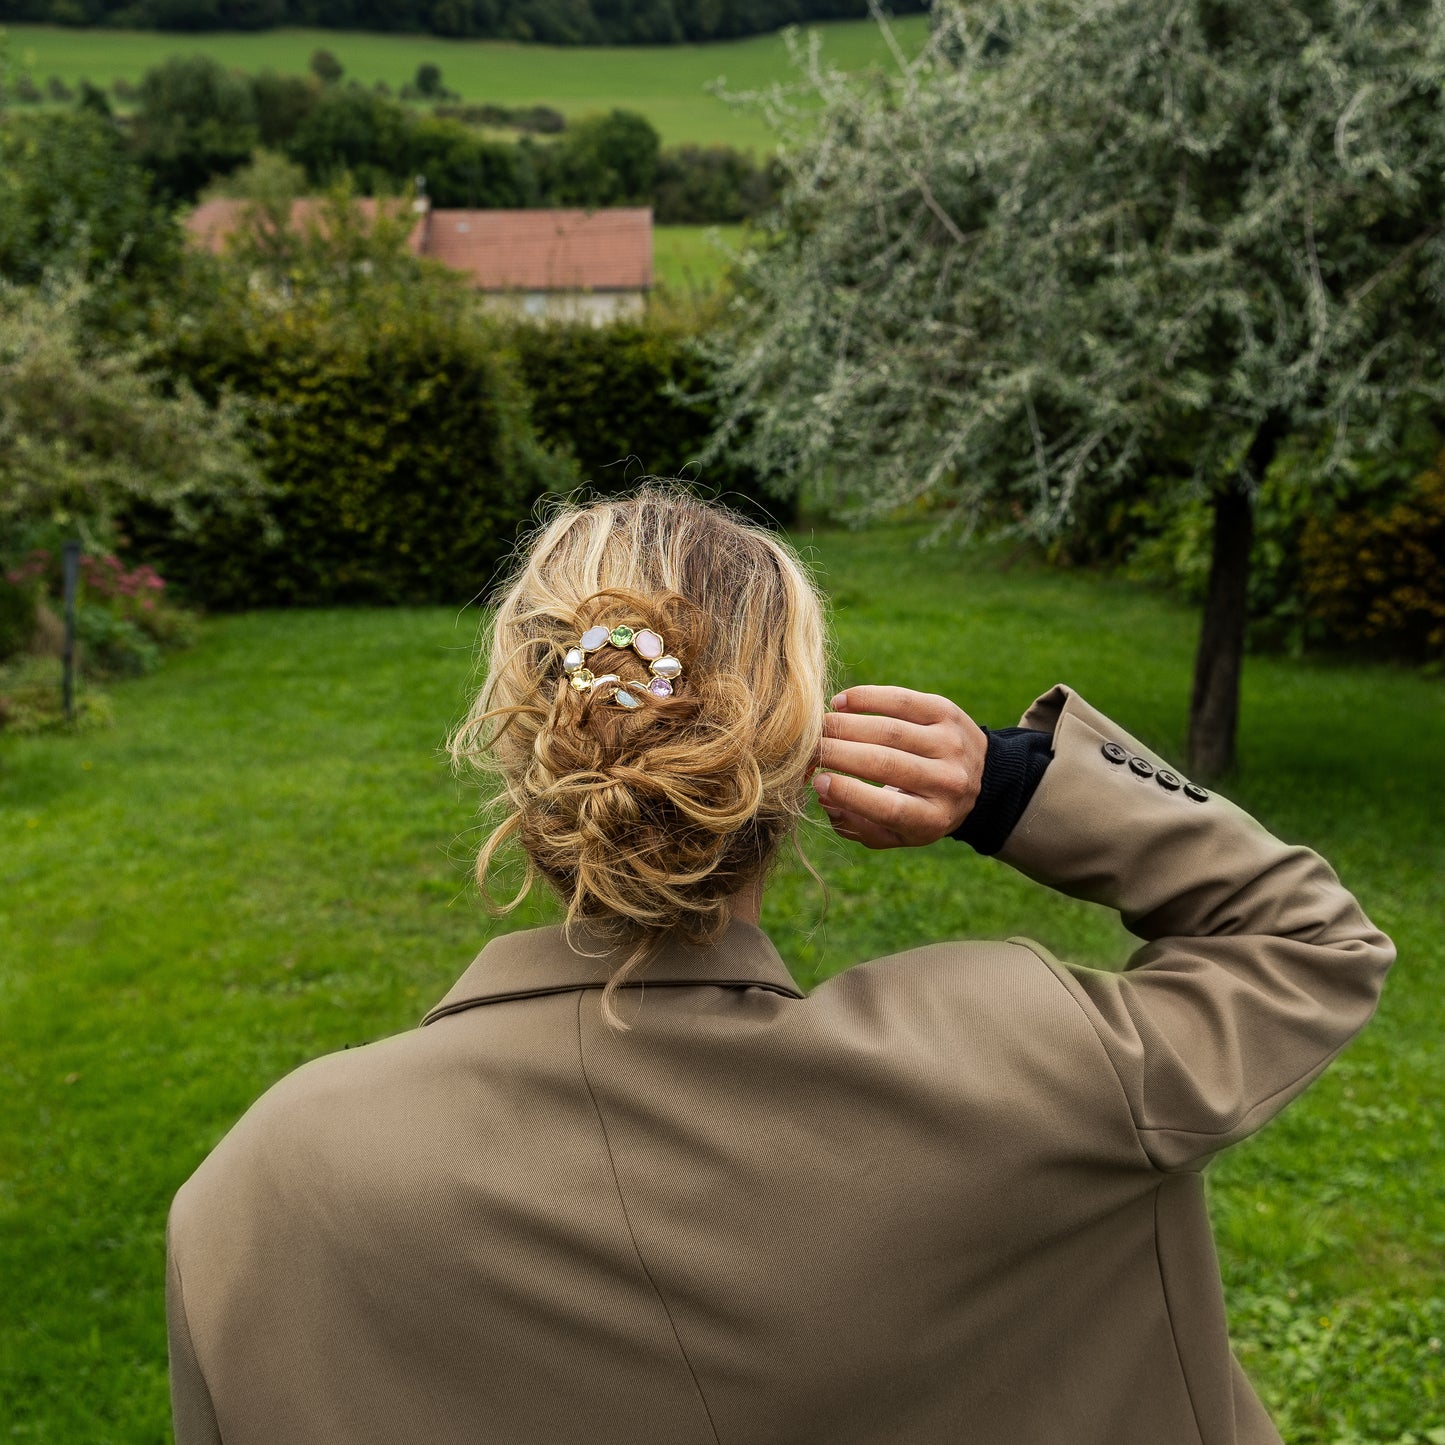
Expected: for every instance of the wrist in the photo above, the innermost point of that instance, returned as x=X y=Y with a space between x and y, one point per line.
x=1014 y=763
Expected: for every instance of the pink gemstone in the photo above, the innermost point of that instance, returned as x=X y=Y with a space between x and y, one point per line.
x=660 y=687
x=647 y=644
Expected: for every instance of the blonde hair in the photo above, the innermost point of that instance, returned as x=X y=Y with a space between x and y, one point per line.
x=646 y=823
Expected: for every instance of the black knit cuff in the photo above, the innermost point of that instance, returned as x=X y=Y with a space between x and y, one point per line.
x=1012 y=768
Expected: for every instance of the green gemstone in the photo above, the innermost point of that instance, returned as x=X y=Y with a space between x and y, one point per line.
x=621 y=637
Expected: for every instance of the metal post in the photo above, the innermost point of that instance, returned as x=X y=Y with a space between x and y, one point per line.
x=70 y=554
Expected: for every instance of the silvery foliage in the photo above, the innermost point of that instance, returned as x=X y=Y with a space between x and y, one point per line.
x=1071 y=237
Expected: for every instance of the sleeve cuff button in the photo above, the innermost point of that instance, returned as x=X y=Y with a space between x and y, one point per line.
x=1142 y=766
x=1167 y=780
x=1114 y=753
x=1194 y=792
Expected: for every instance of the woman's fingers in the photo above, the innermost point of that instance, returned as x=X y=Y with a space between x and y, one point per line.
x=887 y=732
x=889 y=808
x=900 y=702
x=878 y=764
x=860 y=830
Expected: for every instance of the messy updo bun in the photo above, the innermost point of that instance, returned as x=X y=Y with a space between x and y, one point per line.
x=645 y=823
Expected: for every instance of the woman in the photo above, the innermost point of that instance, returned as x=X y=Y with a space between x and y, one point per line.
x=627 y=1183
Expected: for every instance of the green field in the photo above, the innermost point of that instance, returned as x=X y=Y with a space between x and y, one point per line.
x=266 y=859
x=666 y=83
x=691 y=260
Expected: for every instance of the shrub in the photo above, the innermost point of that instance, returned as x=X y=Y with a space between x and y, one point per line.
x=17 y=618
x=389 y=418
x=86 y=430
x=113 y=646
x=712 y=185
x=1378 y=577
x=629 y=391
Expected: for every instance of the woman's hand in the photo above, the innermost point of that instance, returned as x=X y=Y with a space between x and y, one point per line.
x=915 y=761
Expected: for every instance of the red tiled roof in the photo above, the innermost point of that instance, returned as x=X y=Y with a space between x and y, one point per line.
x=212 y=222
x=606 y=250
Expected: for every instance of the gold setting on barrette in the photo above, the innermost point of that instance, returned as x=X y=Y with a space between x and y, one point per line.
x=645 y=642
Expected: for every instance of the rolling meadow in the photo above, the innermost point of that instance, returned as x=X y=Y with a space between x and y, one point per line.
x=668 y=84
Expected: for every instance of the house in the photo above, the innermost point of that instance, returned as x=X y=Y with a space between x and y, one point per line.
x=569 y=265
x=555 y=264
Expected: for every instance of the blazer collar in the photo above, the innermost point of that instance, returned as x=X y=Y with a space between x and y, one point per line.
x=540 y=961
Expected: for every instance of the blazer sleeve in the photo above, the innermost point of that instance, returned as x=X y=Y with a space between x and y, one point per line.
x=193 y=1415
x=1257 y=967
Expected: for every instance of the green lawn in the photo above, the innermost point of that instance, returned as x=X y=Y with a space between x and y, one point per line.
x=691 y=260
x=666 y=83
x=266 y=859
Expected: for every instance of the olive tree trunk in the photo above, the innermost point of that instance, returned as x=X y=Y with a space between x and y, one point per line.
x=1214 y=704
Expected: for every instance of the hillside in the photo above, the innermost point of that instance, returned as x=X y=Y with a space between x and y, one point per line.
x=665 y=83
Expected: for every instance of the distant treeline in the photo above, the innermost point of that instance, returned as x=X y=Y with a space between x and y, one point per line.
x=553 y=22
x=196 y=122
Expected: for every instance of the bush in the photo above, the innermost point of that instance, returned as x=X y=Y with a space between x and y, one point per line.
x=17 y=618
x=619 y=393
x=87 y=429
x=389 y=418
x=1378 y=577
x=712 y=185
x=111 y=645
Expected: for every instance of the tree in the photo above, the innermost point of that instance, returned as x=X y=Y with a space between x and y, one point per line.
x=1093 y=242
x=196 y=120
x=604 y=160
x=282 y=102
x=428 y=80
x=72 y=198
x=326 y=67
x=352 y=130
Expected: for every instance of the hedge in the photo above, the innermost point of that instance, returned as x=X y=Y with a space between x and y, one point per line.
x=616 y=399
x=407 y=436
x=397 y=438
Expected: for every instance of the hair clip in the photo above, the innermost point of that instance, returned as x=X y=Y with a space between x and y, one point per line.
x=646 y=643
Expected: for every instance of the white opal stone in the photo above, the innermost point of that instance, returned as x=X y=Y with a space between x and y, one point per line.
x=667 y=667
x=606 y=677
x=647 y=644
x=625 y=699
x=574 y=659
x=593 y=638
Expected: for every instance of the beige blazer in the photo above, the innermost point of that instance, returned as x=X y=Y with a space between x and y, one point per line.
x=953 y=1195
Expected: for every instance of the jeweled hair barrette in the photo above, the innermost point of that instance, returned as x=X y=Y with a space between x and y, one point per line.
x=647 y=644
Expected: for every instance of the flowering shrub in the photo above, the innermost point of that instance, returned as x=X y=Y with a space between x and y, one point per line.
x=123 y=623
x=135 y=591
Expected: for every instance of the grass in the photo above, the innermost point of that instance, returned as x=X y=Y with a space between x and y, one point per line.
x=665 y=83
x=266 y=859
x=692 y=260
